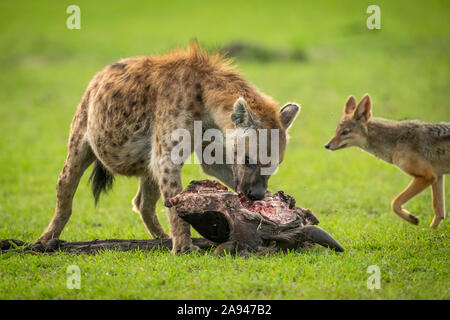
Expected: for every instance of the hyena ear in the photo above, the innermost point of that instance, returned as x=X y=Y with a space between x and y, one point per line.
x=288 y=113
x=350 y=105
x=243 y=116
x=364 y=109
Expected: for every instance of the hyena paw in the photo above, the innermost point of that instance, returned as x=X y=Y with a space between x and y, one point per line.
x=162 y=235
x=43 y=239
x=43 y=245
x=183 y=246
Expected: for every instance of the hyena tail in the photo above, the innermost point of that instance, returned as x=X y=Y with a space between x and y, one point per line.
x=102 y=180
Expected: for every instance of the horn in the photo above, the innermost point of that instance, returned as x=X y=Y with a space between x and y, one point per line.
x=320 y=236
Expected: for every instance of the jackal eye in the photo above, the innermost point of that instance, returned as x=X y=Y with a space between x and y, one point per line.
x=345 y=132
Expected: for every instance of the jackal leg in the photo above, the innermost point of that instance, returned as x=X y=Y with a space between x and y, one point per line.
x=416 y=186
x=144 y=203
x=438 y=201
x=79 y=157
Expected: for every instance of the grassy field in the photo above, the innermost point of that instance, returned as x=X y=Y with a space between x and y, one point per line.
x=404 y=66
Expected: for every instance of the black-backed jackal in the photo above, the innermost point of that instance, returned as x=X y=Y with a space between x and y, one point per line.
x=420 y=149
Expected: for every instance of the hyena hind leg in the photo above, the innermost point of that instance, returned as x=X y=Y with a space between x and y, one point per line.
x=438 y=201
x=79 y=157
x=144 y=203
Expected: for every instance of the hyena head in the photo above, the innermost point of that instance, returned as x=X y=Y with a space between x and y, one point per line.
x=352 y=128
x=258 y=148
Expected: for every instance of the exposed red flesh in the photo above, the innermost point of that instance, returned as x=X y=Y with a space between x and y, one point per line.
x=266 y=225
x=211 y=195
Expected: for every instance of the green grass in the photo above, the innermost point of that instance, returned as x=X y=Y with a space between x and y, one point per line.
x=404 y=66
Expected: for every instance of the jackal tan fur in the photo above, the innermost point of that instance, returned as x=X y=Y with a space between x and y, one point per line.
x=420 y=149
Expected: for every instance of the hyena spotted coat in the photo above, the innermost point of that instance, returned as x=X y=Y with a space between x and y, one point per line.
x=124 y=124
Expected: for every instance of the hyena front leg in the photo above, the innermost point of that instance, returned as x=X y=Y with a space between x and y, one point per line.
x=144 y=203
x=79 y=157
x=169 y=180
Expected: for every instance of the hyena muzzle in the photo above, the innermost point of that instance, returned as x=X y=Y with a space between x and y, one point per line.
x=124 y=124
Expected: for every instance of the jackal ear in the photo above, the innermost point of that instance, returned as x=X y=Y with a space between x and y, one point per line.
x=288 y=113
x=350 y=105
x=243 y=116
x=364 y=109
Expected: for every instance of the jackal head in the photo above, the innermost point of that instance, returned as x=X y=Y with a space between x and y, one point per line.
x=352 y=128
x=258 y=147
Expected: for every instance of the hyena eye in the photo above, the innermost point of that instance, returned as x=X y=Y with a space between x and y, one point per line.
x=345 y=132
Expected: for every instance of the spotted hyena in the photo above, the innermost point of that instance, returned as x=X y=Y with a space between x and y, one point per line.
x=124 y=124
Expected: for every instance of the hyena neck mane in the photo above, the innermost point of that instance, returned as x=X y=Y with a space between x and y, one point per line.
x=220 y=107
x=222 y=85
